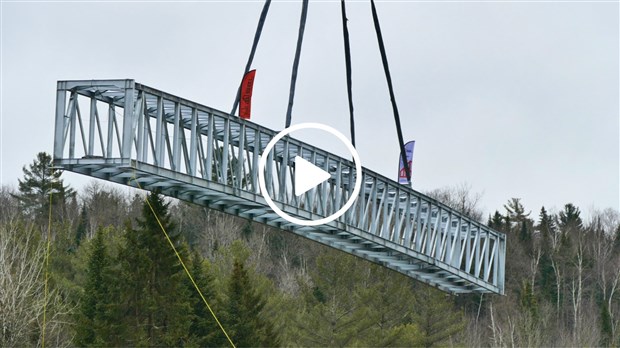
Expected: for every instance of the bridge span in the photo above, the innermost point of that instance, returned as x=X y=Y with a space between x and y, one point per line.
x=129 y=133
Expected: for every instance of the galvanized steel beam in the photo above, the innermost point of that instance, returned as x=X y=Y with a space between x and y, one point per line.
x=135 y=133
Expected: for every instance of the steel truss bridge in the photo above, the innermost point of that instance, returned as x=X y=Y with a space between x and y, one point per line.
x=129 y=133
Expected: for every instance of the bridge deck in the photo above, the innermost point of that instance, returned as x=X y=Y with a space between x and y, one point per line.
x=132 y=133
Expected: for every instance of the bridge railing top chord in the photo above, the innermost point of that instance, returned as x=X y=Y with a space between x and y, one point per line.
x=109 y=128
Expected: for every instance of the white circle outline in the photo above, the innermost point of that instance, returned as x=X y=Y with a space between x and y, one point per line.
x=263 y=161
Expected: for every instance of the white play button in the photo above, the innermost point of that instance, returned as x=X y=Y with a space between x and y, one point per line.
x=307 y=176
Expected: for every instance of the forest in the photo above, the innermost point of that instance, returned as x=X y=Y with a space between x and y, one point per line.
x=94 y=268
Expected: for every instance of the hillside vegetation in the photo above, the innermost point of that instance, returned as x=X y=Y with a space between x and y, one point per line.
x=113 y=278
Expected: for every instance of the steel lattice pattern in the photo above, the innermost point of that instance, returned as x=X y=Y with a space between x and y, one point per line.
x=122 y=131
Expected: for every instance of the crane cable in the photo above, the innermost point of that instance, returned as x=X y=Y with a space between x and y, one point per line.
x=388 y=77
x=347 y=60
x=259 y=30
x=300 y=38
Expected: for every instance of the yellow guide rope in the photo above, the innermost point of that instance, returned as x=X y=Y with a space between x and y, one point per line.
x=47 y=262
x=189 y=275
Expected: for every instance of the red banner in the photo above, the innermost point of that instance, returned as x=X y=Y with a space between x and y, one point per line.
x=245 y=103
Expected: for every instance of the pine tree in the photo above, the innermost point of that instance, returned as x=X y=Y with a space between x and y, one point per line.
x=545 y=226
x=616 y=247
x=606 y=325
x=82 y=227
x=92 y=317
x=570 y=218
x=244 y=321
x=524 y=235
x=515 y=212
x=386 y=300
x=334 y=316
x=497 y=221
x=204 y=330
x=154 y=295
x=547 y=281
x=435 y=316
x=40 y=181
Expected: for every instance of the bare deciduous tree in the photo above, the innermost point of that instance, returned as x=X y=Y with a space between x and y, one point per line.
x=22 y=295
x=461 y=198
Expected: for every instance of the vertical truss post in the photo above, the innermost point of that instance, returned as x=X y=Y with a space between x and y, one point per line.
x=128 y=120
x=110 y=139
x=72 y=124
x=176 y=138
x=159 y=130
x=389 y=224
x=193 y=146
x=59 y=125
x=91 y=127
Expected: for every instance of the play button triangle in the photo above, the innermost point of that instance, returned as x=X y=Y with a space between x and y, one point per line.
x=307 y=176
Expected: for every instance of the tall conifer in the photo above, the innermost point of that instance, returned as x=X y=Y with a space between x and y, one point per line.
x=154 y=297
x=93 y=317
x=247 y=327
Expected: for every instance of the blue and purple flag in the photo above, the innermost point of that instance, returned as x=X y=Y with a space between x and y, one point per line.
x=402 y=175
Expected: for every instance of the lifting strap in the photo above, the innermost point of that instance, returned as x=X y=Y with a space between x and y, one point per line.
x=300 y=37
x=401 y=142
x=347 y=60
x=259 y=29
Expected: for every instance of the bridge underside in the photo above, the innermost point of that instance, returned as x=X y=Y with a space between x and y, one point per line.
x=251 y=206
x=150 y=139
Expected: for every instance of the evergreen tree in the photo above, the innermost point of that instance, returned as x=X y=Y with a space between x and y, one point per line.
x=335 y=315
x=40 y=181
x=570 y=218
x=545 y=226
x=616 y=247
x=204 y=330
x=525 y=237
x=154 y=295
x=435 y=316
x=515 y=212
x=606 y=325
x=92 y=318
x=547 y=280
x=244 y=321
x=386 y=301
x=82 y=227
x=528 y=301
x=496 y=222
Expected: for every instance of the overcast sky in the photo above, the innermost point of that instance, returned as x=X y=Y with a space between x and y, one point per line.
x=517 y=99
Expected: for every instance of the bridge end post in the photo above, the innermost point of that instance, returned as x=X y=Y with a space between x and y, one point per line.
x=59 y=124
x=128 y=119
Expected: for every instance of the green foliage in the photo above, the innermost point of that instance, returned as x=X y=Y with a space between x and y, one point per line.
x=154 y=297
x=436 y=317
x=96 y=301
x=82 y=227
x=246 y=232
x=528 y=301
x=570 y=217
x=515 y=212
x=606 y=325
x=386 y=299
x=244 y=322
x=333 y=316
x=204 y=330
x=616 y=245
x=354 y=303
x=267 y=287
x=40 y=181
x=496 y=222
